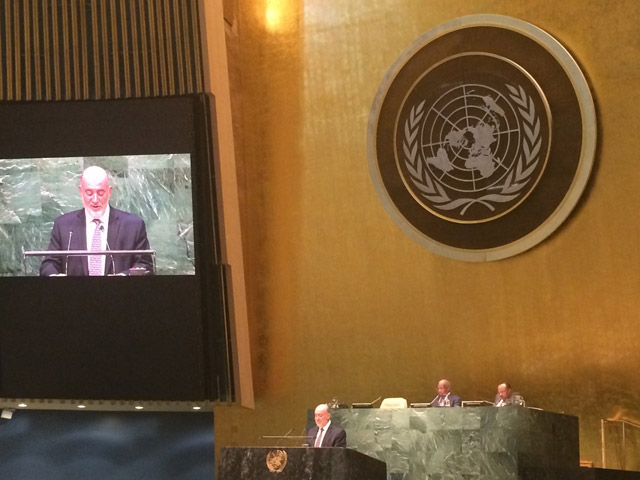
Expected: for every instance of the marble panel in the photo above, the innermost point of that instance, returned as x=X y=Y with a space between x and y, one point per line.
x=472 y=442
x=249 y=463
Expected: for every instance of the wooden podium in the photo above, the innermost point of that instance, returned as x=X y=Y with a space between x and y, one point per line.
x=298 y=463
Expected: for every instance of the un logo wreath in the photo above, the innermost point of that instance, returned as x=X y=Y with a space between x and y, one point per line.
x=509 y=190
x=495 y=180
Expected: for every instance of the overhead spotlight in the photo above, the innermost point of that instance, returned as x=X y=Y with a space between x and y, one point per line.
x=22 y=405
x=197 y=407
x=138 y=407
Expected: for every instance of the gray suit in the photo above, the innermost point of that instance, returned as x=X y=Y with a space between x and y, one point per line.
x=514 y=399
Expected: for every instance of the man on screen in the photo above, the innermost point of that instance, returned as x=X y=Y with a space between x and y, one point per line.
x=97 y=226
x=324 y=434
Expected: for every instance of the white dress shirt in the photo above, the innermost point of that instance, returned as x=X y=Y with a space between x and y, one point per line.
x=323 y=433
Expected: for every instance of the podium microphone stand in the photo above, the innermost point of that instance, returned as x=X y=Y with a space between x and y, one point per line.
x=303 y=439
x=87 y=253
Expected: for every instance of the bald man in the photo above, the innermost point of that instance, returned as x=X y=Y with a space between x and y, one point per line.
x=325 y=434
x=445 y=398
x=98 y=226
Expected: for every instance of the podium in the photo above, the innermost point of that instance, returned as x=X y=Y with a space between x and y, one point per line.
x=505 y=443
x=113 y=254
x=298 y=463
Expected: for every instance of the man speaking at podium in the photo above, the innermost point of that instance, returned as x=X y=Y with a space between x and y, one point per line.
x=324 y=434
x=97 y=227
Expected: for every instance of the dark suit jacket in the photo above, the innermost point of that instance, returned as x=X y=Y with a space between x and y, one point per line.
x=126 y=232
x=335 y=436
x=454 y=401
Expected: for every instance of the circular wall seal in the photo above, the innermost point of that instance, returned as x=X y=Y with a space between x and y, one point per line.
x=482 y=137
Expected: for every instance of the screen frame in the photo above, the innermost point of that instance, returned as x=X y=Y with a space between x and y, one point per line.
x=180 y=124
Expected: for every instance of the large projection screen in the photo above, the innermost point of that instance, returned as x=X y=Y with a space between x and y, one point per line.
x=161 y=336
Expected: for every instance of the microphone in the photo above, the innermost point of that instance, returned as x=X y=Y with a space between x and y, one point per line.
x=302 y=434
x=113 y=263
x=284 y=436
x=66 y=262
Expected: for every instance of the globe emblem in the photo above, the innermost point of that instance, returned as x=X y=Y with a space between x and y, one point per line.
x=481 y=137
x=473 y=152
x=470 y=138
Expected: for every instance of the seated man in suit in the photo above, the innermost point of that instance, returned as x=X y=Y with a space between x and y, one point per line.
x=506 y=397
x=324 y=434
x=97 y=226
x=445 y=398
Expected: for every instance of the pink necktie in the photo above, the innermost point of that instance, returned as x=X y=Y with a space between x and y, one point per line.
x=318 y=438
x=95 y=262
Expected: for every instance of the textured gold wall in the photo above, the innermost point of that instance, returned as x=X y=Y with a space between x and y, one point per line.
x=342 y=303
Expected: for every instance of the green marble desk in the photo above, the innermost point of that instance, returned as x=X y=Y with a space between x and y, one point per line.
x=465 y=443
x=251 y=463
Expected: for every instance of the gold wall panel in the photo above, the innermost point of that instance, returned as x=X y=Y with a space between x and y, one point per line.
x=343 y=304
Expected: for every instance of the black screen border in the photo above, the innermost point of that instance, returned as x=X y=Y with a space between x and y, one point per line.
x=181 y=124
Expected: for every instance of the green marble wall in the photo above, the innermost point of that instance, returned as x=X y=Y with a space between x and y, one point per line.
x=480 y=443
x=33 y=192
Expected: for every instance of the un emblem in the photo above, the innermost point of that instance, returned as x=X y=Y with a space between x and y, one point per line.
x=481 y=138
x=276 y=460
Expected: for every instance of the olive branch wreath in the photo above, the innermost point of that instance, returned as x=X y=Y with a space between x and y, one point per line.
x=513 y=184
x=276 y=460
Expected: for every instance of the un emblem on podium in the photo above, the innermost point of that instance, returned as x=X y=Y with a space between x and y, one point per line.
x=276 y=460
x=482 y=137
